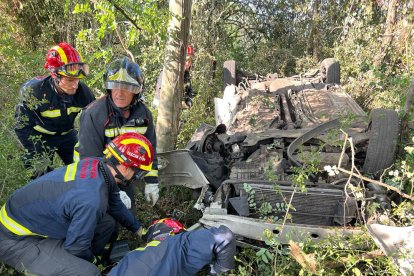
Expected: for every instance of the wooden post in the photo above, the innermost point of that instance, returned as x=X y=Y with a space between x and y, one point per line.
x=173 y=75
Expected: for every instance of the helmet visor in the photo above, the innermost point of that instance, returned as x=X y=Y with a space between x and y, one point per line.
x=123 y=86
x=74 y=70
x=122 y=80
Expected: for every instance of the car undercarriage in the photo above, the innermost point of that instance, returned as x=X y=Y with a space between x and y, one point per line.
x=277 y=157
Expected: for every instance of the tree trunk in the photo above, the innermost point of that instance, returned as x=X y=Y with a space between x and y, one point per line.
x=314 y=34
x=388 y=32
x=173 y=75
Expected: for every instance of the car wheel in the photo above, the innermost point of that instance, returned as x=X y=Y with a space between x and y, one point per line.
x=229 y=72
x=383 y=131
x=330 y=70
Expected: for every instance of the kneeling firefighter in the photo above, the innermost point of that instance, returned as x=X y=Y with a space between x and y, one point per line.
x=59 y=224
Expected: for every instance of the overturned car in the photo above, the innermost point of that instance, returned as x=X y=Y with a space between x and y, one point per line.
x=271 y=162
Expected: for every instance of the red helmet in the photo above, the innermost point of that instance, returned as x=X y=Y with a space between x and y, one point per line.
x=131 y=150
x=190 y=50
x=162 y=228
x=188 y=59
x=64 y=60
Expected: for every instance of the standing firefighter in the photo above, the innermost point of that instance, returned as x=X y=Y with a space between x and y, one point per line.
x=59 y=223
x=120 y=111
x=189 y=93
x=49 y=105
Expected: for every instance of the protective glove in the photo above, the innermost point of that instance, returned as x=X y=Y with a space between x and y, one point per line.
x=224 y=250
x=125 y=199
x=152 y=193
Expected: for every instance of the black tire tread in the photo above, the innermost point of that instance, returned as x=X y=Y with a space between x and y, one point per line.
x=383 y=140
x=331 y=71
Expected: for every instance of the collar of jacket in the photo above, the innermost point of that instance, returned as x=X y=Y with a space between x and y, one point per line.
x=109 y=178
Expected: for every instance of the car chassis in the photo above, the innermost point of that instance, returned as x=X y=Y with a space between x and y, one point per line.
x=267 y=127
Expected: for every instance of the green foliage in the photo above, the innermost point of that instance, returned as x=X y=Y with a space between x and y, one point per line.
x=310 y=167
x=263 y=37
x=330 y=257
x=250 y=195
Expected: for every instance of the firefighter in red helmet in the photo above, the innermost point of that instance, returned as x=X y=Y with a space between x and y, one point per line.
x=48 y=106
x=60 y=223
x=188 y=93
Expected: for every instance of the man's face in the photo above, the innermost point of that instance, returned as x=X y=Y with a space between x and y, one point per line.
x=129 y=174
x=122 y=98
x=68 y=85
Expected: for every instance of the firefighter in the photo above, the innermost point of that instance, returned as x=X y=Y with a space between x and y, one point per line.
x=121 y=110
x=189 y=93
x=48 y=106
x=172 y=251
x=59 y=223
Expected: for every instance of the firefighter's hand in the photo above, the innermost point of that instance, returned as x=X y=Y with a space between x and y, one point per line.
x=125 y=199
x=152 y=193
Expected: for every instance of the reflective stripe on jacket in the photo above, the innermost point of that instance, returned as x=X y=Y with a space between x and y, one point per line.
x=67 y=204
x=100 y=122
x=183 y=254
x=42 y=111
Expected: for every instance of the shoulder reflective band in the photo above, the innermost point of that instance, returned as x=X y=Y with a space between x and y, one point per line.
x=152 y=243
x=70 y=172
x=76 y=156
x=13 y=226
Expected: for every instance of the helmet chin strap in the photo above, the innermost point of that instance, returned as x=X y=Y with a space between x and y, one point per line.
x=55 y=82
x=56 y=86
x=124 y=182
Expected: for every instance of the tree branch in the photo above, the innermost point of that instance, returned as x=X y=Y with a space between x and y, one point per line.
x=123 y=45
x=377 y=183
x=125 y=14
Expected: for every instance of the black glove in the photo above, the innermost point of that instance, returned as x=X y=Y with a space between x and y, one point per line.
x=224 y=250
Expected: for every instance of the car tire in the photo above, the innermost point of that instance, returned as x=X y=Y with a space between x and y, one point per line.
x=382 y=145
x=331 y=71
x=212 y=165
x=229 y=72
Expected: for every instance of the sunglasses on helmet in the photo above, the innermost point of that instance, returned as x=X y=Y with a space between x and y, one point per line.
x=74 y=70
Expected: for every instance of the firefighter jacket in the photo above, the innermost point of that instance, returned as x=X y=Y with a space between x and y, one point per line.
x=42 y=110
x=183 y=254
x=67 y=204
x=102 y=121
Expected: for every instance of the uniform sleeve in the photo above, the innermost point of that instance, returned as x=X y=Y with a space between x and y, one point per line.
x=152 y=176
x=120 y=213
x=214 y=245
x=84 y=219
x=91 y=135
x=26 y=118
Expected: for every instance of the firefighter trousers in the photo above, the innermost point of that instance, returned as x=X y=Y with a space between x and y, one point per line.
x=46 y=256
